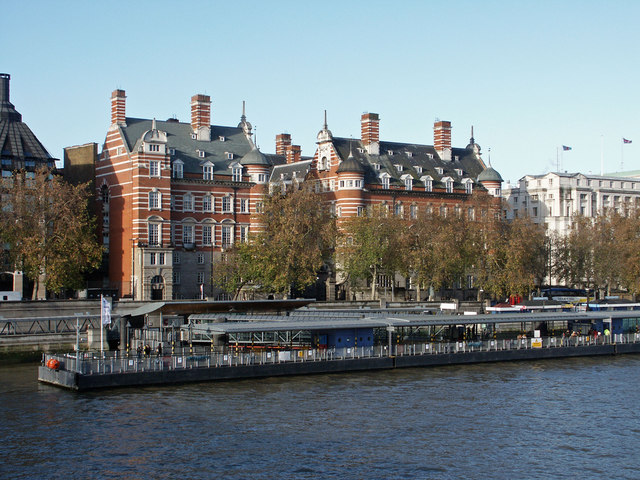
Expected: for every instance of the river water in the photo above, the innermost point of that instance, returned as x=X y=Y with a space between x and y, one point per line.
x=570 y=418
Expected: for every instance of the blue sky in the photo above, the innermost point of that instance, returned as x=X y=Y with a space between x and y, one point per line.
x=529 y=76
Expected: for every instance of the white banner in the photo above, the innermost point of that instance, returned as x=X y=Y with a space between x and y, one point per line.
x=105 y=311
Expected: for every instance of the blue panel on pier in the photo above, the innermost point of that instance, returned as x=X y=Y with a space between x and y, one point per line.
x=352 y=337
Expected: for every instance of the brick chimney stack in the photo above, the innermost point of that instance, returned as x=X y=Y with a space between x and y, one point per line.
x=200 y=111
x=293 y=154
x=201 y=116
x=118 y=108
x=283 y=142
x=370 y=128
x=442 y=139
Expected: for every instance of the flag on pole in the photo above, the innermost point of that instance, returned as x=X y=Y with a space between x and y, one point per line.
x=105 y=311
x=565 y=148
x=624 y=140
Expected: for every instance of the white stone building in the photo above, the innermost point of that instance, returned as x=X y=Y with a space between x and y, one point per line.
x=553 y=198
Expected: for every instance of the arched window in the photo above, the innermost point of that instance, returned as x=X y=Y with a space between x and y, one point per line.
x=207 y=203
x=187 y=203
x=154 y=200
x=153 y=230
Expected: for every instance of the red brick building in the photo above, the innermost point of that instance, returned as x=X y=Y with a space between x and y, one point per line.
x=355 y=174
x=174 y=195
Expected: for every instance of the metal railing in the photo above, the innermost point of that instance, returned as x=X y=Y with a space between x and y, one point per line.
x=48 y=325
x=97 y=363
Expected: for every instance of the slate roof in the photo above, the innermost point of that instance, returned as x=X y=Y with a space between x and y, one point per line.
x=409 y=156
x=286 y=172
x=255 y=157
x=224 y=140
x=19 y=147
x=489 y=175
x=351 y=165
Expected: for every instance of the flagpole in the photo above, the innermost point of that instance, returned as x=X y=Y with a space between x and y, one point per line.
x=622 y=155
x=602 y=155
x=101 y=328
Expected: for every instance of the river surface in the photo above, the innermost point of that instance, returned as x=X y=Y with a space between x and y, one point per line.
x=569 y=418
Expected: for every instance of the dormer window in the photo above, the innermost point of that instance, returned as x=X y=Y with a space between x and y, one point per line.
x=360 y=150
x=398 y=167
x=448 y=183
x=428 y=183
x=418 y=169
x=177 y=169
x=408 y=182
x=194 y=136
x=172 y=151
x=430 y=155
x=468 y=186
x=439 y=170
x=384 y=179
x=221 y=138
x=409 y=154
x=459 y=171
x=236 y=174
x=389 y=152
x=376 y=166
x=229 y=156
x=456 y=158
x=207 y=171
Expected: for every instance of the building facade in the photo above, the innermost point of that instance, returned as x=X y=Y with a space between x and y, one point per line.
x=173 y=196
x=353 y=175
x=19 y=150
x=554 y=198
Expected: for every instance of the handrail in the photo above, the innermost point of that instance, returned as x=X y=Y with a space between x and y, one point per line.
x=97 y=363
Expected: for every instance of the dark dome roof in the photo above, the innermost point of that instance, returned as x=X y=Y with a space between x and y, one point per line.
x=255 y=157
x=351 y=165
x=489 y=174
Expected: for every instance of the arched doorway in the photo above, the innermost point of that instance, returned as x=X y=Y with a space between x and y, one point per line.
x=157 y=287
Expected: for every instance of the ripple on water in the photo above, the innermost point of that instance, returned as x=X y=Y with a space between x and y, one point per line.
x=547 y=419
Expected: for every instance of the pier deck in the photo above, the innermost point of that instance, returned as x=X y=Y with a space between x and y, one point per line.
x=91 y=371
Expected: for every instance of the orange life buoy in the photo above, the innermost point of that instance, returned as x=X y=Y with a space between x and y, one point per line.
x=53 y=364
